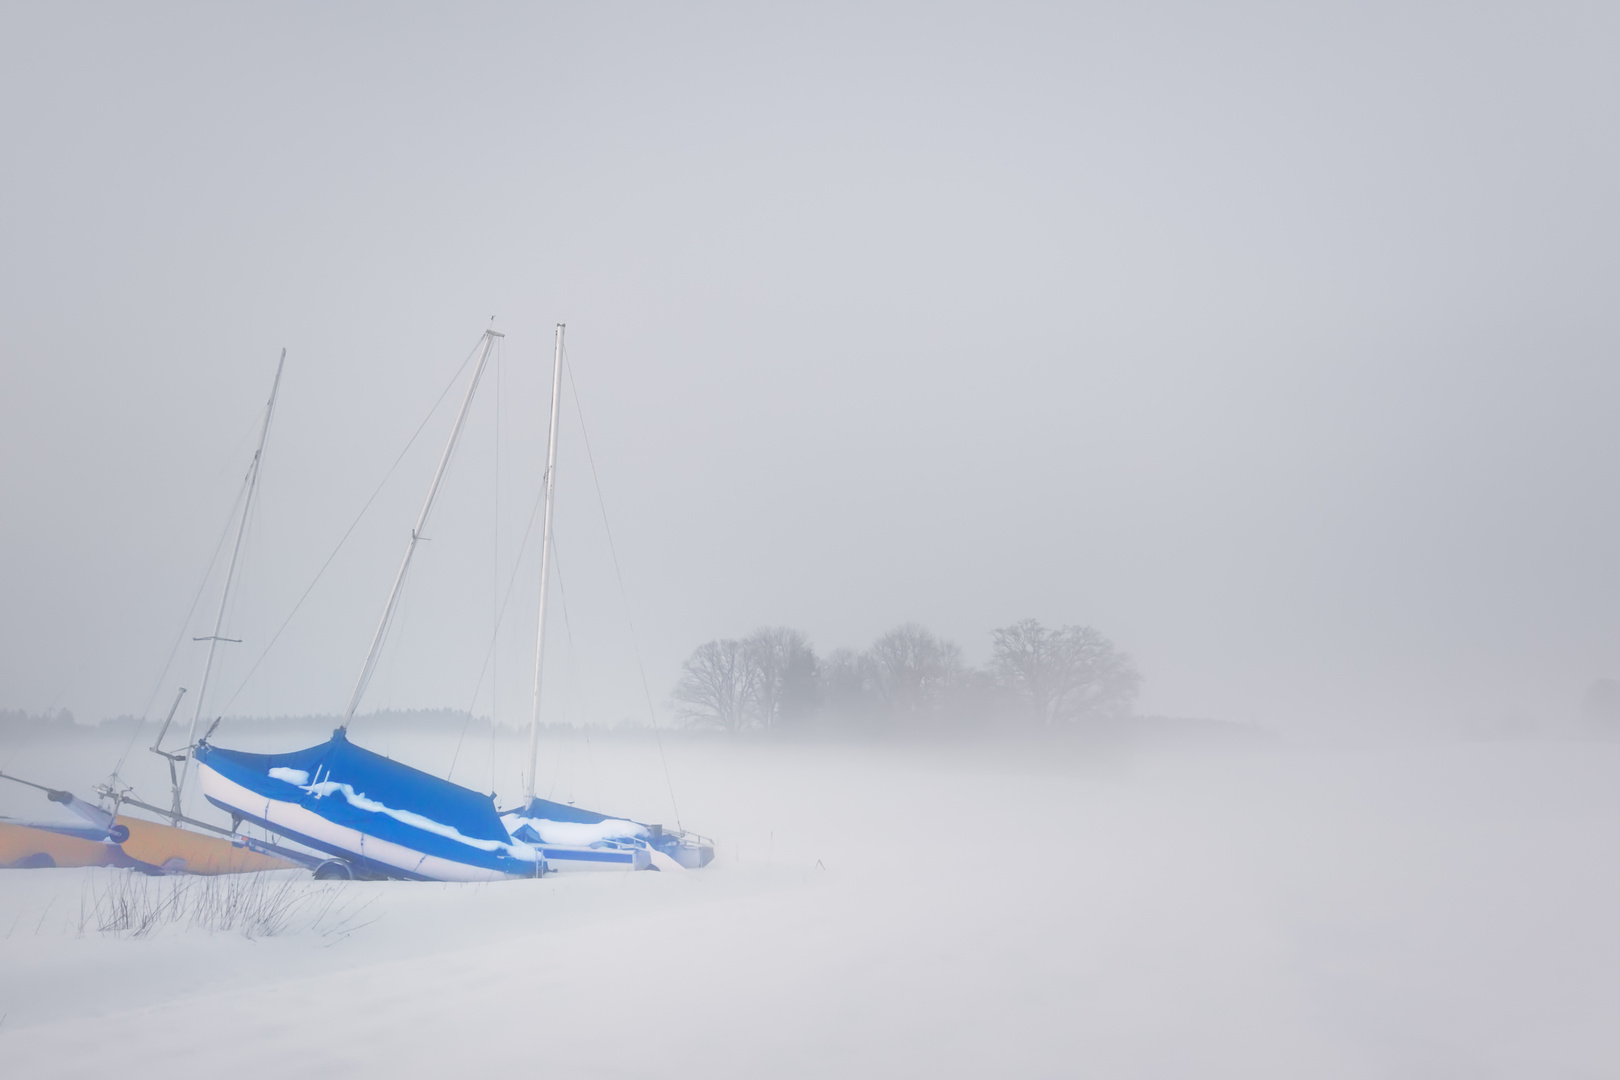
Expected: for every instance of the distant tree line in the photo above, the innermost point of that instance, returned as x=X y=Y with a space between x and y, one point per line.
x=16 y=725
x=907 y=681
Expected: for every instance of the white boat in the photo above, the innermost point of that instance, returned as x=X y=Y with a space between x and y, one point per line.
x=571 y=838
x=574 y=839
x=184 y=845
x=375 y=817
x=378 y=817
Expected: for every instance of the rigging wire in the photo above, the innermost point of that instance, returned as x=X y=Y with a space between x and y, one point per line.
x=174 y=648
x=573 y=663
x=352 y=526
x=253 y=538
x=503 y=599
x=388 y=659
x=229 y=463
x=252 y=543
x=495 y=604
x=506 y=599
x=250 y=485
x=635 y=645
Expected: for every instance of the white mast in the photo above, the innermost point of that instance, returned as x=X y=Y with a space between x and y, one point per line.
x=545 y=564
x=251 y=483
x=416 y=534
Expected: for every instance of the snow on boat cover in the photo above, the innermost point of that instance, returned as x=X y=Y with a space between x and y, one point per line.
x=381 y=816
x=571 y=838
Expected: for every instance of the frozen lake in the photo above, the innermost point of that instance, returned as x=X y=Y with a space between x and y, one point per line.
x=1148 y=911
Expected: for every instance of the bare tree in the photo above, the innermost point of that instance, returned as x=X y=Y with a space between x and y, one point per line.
x=846 y=685
x=782 y=673
x=1066 y=674
x=908 y=677
x=717 y=685
x=914 y=671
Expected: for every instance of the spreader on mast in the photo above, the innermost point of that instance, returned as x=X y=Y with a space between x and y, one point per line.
x=250 y=484
x=370 y=665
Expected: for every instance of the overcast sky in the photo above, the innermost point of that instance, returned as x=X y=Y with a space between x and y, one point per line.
x=1276 y=341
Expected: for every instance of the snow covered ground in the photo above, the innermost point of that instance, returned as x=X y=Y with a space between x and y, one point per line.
x=1147 y=911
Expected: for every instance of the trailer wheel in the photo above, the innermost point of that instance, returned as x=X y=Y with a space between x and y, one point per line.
x=334 y=870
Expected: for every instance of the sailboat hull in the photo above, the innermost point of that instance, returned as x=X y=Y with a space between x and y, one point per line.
x=26 y=847
x=370 y=854
x=184 y=851
x=573 y=838
x=572 y=858
x=146 y=846
x=382 y=817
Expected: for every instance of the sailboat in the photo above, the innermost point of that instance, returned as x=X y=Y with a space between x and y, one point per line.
x=572 y=838
x=105 y=838
x=569 y=837
x=35 y=845
x=373 y=817
x=376 y=817
x=109 y=838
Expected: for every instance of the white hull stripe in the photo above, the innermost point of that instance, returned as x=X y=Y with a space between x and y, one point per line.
x=562 y=858
x=307 y=827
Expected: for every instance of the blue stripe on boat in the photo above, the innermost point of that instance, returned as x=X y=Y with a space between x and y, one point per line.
x=397 y=786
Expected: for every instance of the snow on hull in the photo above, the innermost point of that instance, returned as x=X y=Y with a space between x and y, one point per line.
x=566 y=858
x=572 y=838
x=381 y=815
x=610 y=844
x=310 y=829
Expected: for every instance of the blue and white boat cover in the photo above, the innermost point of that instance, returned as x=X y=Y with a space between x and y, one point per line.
x=381 y=816
x=571 y=838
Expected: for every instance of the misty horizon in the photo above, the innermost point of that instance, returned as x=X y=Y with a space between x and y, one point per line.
x=1273 y=347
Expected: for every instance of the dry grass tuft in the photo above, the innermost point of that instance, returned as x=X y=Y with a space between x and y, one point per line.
x=266 y=904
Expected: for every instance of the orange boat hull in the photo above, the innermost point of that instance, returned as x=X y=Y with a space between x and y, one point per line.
x=150 y=847
x=181 y=850
x=22 y=846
